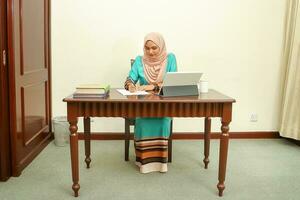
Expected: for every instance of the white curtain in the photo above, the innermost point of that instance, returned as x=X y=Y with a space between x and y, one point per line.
x=290 y=115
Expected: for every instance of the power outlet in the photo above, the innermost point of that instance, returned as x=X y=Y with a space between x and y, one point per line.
x=253 y=117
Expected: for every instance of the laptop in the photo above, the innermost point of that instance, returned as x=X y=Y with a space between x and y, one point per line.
x=180 y=84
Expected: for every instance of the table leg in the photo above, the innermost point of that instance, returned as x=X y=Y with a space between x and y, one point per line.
x=207 y=126
x=74 y=156
x=87 y=140
x=223 y=156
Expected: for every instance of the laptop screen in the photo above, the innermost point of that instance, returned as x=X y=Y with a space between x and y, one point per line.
x=181 y=78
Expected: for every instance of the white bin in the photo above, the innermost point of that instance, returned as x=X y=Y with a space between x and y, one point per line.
x=61 y=131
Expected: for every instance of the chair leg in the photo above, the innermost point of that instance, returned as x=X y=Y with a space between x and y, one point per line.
x=170 y=143
x=127 y=139
x=87 y=140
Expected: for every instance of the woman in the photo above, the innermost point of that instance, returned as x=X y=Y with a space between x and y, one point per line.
x=151 y=134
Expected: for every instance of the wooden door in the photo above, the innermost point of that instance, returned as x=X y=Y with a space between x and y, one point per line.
x=29 y=78
x=5 y=162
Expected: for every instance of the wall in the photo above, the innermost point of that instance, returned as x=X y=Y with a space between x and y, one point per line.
x=237 y=44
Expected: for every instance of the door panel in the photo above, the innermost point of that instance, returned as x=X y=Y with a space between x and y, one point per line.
x=28 y=30
x=33 y=111
x=33 y=39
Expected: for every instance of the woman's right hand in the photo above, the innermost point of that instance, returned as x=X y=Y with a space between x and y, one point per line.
x=131 y=88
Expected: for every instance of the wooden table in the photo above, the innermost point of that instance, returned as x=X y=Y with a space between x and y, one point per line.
x=211 y=104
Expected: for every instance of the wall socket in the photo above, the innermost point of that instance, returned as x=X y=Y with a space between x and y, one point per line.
x=253 y=117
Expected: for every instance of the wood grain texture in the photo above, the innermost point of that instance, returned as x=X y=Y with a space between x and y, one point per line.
x=5 y=154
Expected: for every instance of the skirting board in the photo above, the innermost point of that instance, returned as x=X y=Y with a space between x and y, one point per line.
x=189 y=135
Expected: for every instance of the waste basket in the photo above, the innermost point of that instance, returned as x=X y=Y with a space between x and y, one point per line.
x=61 y=130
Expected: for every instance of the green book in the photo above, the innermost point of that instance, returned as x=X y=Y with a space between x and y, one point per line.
x=92 y=89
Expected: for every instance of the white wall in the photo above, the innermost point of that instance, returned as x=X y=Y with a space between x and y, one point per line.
x=236 y=43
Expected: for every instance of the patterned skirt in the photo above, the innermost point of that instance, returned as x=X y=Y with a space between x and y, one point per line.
x=151 y=144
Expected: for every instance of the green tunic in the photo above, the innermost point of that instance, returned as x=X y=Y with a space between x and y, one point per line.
x=151 y=134
x=146 y=128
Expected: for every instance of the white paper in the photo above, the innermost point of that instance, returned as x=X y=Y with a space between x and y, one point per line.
x=127 y=93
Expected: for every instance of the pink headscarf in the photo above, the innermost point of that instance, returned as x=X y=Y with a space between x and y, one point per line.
x=155 y=67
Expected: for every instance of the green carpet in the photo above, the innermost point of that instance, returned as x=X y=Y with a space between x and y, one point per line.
x=257 y=169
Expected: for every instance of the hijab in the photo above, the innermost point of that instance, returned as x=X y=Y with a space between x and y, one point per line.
x=155 y=67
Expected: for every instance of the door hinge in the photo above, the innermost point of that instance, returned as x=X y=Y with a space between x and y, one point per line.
x=4 y=58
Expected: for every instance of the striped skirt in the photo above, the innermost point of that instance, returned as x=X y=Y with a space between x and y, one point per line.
x=151 y=144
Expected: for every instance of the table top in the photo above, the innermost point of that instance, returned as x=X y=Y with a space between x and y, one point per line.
x=115 y=96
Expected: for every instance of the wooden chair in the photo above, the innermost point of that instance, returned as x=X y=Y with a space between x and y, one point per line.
x=131 y=122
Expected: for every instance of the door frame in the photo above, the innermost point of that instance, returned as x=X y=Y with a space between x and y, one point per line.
x=5 y=146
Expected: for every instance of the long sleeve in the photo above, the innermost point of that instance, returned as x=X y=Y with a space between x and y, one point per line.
x=133 y=75
x=172 y=63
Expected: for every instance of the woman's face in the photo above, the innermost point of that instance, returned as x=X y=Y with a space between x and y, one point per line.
x=151 y=49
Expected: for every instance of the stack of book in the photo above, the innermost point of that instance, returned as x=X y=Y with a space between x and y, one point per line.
x=91 y=91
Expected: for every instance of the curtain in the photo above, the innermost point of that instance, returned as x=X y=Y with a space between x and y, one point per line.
x=290 y=113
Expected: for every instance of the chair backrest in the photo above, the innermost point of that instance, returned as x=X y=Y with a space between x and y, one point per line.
x=131 y=62
x=130 y=121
